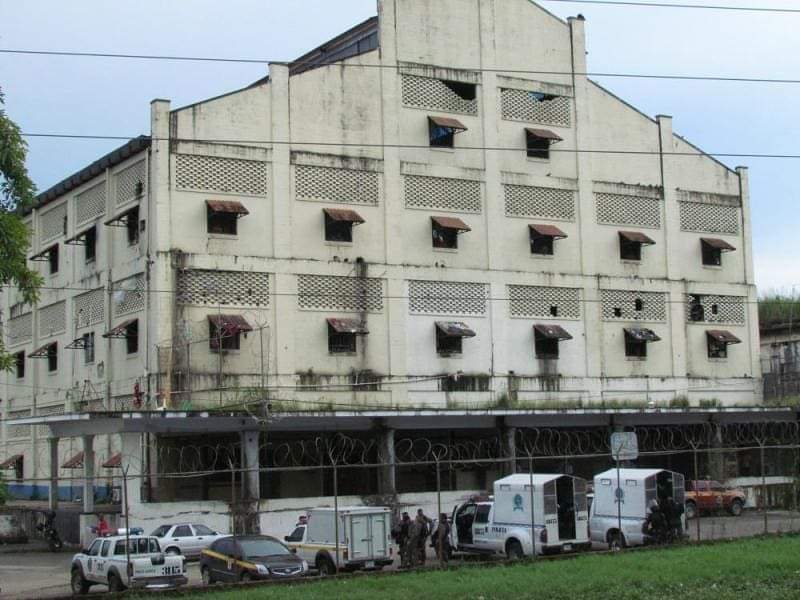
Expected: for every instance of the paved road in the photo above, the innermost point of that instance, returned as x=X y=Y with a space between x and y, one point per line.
x=44 y=574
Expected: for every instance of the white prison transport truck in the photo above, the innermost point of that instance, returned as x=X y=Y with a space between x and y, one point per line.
x=637 y=488
x=364 y=539
x=502 y=525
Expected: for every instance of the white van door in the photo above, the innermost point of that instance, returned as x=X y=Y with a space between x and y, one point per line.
x=581 y=512
x=379 y=533
x=480 y=526
x=360 y=540
x=551 y=512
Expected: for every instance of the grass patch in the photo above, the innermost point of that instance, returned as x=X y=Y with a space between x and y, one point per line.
x=763 y=569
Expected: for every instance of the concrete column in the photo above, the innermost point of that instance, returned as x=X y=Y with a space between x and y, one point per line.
x=53 y=493
x=388 y=477
x=88 y=473
x=281 y=154
x=510 y=447
x=285 y=303
x=250 y=462
x=749 y=278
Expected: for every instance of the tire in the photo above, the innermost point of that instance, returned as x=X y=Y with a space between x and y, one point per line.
x=172 y=551
x=514 y=550
x=205 y=573
x=736 y=508
x=691 y=510
x=115 y=583
x=615 y=541
x=325 y=566
x=78 y=583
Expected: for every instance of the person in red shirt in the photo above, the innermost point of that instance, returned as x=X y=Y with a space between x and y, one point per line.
x=103 y=528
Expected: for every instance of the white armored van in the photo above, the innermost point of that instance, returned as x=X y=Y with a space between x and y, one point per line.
x=637 y=488
x=503 y=525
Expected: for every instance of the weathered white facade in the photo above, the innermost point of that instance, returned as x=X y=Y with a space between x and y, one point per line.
x=354 y=133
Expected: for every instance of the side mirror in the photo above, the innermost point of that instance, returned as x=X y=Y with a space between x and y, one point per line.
x=84 y=551
x=286 y=538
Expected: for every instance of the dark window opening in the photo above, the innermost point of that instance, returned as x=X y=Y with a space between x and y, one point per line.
x=711 y=256
x=132 y=226
x=629 y=250
x=542 y=244
x=365 y=381
x=138 y=189
x=132 y=337
x=541 y=97
x=465 y=383
x=219 y=338
x=444 y=237
x=537 y=147
x=446 y=344
x=546 y=347
x=465 y=91
x=617 y=312
x=717 y=349
x=553 y=311
x=52 y=357
x=635 y=348
x=341 y=343
x=90 y=241
x=88 y=348
x=52 y=259
x=697 y=311
x=439 y=136
x=223 y=223
x=638 y=305
x=19 y=364
x=19 y=469
x=714 y=309
x=338 y=231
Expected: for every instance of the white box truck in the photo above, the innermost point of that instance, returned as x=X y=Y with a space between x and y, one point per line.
x=621 y=499
x=364 y=539
x=502 y=525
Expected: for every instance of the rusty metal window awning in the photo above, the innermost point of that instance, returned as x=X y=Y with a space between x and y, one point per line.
x=636 y=237
x=114 y=462
x=229 y=325
x=80 y=239
x=451 y=223
x=722 y=336
x=548 y=231
x=640 y=334
x=45 y=351
x=351 y=326
x=454 y=125
x=76 y=462
x=10 y=462
x=44 y=255
x=454 y=329
x=120 y=332
x=227 y=207
x=544 y=134
x=552 y=332
x=124 y=219
x=717 y=244
x=78 y=344
x=343 y=215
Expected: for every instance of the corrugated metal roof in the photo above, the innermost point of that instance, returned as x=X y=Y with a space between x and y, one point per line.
x=113 y=462
x=454 y=329
x=230 y=324
x=353 y=326
x=719 y=244
x=344 y=215
x=552 y=332
x=230 y=207
x=451 y=223
x=355 y=41
x=636 y=236
x=10 y=461
x=549 y=230
x=544 y=134
x=448 y=122
x=723 y=337
x=76 y=462
x=642 y=334
x=121 y=330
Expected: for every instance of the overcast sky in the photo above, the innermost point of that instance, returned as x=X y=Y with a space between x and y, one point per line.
x=106 y=96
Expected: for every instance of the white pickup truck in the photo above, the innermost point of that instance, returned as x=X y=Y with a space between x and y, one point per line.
x=106 y=562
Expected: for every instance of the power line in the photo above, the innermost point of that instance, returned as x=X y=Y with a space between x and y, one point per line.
x=698 y=154
x=406 y=69
x=673 y=5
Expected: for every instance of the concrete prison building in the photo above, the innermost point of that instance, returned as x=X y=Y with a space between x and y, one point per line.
x=404 y=219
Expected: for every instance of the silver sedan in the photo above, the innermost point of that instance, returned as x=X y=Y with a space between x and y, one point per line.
x=188 y=539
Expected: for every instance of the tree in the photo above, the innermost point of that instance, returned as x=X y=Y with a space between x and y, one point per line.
x=17 y=193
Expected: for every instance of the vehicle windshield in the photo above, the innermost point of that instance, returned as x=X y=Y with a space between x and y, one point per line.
x=203 y=530
x=161 y=531
x=263 y=548
x=296 y=535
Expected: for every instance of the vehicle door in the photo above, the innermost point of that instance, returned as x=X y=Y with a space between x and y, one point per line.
x=581 y=511
x=464 y=518
x=216 y=559
x=480 y=526
x=703 y=495
x=225 y=563
x=379 y=533
x=360 y=540
x=103 y=560
x=203 y=536
x=90 y=567
x=550 y=512
x=182 y=538
x=718 y=493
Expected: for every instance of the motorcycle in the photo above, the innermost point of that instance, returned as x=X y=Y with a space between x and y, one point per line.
x=49 y=533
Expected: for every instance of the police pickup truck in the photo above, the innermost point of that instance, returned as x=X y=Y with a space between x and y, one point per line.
x=106 y=562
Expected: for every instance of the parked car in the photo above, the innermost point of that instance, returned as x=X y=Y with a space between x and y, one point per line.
x=188 y=539
x=106 y=560
x=364 y=539
x=705 y=495
x=249 y=558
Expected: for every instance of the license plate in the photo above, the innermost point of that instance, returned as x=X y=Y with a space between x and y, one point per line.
x=567 y=547
x=370 y=564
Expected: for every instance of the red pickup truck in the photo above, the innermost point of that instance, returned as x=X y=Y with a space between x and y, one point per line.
x=706 y=495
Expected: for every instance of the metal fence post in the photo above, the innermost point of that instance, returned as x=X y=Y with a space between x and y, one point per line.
x=697 y=509
x=533 y=518
x=336 y=511
x=764 y=490
x=439 y=512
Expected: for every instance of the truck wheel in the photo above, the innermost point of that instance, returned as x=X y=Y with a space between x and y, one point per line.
x=615 y=541
x=325 y=566
x=691 y=510
x=514 y=550
x=736 y=508
x=205 y=573
x=78 y=584
x=115 y=583
x=172 y=551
